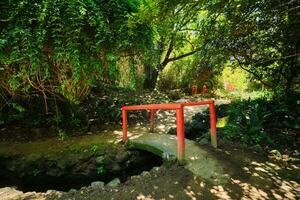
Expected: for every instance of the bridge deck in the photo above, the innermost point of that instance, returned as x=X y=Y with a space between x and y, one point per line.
x=197 y=159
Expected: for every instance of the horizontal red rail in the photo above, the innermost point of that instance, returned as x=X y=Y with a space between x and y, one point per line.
x=179 y=107
x=164 y=106
x=197 y=103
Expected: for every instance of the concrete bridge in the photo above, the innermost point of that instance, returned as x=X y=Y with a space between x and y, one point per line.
x=197 y=159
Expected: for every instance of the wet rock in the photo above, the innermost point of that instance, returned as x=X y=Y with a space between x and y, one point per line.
x=145 y=173
x=72 y=190
x=83 y=188
x=97 y=184
x=114 y=183
x=88 y=168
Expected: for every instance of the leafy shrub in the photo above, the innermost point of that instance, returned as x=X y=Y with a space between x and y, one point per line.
x=259 y=121
x=54 y=52
x=62 y=47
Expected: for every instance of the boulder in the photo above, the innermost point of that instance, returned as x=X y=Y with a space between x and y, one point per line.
x=145 y=173
x=114 y=183
x=97 y=184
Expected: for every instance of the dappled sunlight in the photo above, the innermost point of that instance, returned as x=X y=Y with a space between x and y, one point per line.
x=220 y=192
x=290 y=190
x=268 y=184
x=193 y=157
x=162 y=127
x=252 y=178
x=135 y=136
x=251 y=192
x=118 y=132
x=199 y=182
x=143 y=197
x=190 y=193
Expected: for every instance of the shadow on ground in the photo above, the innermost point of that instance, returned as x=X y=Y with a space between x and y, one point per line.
x=252 y=176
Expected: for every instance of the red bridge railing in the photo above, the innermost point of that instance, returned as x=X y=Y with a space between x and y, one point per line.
x=179 y=107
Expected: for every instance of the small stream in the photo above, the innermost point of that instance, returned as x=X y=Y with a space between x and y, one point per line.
x=83 y=173
x=71 y=164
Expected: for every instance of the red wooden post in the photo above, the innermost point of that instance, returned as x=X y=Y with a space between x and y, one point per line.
x=213 y=128
x=124 y=123
x=194 y=90
x=152 y=112
x=180 y=134
x=203 y=89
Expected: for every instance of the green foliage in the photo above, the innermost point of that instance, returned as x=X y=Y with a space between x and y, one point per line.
x=261 y=121
x=18 y=107
x=101 y=170
x=54 y=52
x=94 y=148
x=62 y=135
x=260 y=36
x=246 y=121
x=62 y=47
x=268 y=122
x=237 y=77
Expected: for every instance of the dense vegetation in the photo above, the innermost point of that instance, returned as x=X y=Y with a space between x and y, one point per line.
x=262 y=121
x=72 y=63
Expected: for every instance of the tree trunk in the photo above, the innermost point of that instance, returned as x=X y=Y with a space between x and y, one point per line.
x=147 y=81
x=151 y=77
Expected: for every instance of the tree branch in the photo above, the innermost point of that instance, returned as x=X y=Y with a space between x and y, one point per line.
x=251 y=72
x=170 y=49
x=182 y=56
